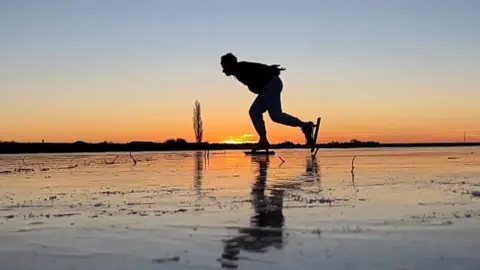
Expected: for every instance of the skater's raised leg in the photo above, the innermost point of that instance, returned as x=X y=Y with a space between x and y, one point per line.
x=272 y=97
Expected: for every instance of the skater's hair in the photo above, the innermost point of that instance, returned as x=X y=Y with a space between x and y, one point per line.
x=229 y=58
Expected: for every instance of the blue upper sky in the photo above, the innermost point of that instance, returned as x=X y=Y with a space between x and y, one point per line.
x=181 y=35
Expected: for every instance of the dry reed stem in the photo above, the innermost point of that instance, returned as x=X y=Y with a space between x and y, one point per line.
x=133 y=159
x=353 y=167
x=110 y=162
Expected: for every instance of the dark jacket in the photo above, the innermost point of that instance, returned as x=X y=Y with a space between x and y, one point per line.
x=255 y=75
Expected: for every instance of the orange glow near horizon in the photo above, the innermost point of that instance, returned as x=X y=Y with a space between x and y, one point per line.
x=152 y=119
x=221 y=132
x=441 y=118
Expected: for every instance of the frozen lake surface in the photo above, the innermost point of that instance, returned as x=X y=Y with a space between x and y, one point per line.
x=400 y=209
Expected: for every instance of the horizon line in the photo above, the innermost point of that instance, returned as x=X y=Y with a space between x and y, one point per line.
x=238 y=143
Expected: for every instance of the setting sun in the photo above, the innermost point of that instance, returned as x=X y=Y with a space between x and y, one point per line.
x=245 y=138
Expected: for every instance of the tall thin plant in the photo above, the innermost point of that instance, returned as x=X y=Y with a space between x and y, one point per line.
x=197 y=122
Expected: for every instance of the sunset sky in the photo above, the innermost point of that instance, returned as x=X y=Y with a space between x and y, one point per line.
x=390 y=71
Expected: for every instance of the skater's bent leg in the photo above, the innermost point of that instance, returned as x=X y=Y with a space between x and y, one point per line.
x=283 y=118
x=256 y=115
x=274 y=105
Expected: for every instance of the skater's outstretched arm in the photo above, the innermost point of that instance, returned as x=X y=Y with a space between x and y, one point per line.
x=277 y=69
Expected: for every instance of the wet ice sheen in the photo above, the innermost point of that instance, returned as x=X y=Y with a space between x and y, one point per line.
x=408 y=208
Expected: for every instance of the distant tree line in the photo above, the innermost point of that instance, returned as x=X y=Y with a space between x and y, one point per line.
x=179 y=144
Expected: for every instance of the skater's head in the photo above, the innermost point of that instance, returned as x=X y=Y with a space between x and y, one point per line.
x=229 y=63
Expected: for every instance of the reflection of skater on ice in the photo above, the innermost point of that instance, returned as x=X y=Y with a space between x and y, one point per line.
x=266 y=223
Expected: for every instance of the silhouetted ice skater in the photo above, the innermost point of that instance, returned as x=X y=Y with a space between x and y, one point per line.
x=264 y=81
